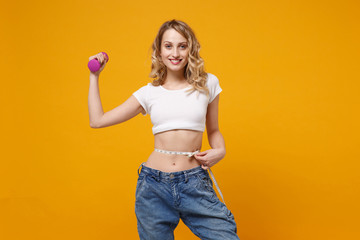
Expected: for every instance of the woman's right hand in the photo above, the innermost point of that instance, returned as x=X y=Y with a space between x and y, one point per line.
x=102 y=60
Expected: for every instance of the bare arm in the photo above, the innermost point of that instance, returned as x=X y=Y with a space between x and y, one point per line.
x=98 y=119
x=215 y=138
x=210 y=157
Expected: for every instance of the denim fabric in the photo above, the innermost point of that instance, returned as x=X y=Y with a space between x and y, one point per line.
x=162 y=199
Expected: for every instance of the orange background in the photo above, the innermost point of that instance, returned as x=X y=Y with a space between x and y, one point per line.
x=289 y=113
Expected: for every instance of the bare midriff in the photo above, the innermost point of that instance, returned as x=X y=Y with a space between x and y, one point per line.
x=175 y=140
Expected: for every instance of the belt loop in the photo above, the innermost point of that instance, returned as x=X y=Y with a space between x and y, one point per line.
x=140 y=167
x=158 y=176
x=186 y=177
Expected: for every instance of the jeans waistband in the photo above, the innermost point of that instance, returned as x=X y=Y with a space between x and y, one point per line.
x=180 y=175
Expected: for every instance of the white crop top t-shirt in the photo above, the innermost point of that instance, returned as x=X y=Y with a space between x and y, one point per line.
x=177 y=109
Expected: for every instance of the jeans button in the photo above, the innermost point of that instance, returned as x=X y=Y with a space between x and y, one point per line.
x=171 y=175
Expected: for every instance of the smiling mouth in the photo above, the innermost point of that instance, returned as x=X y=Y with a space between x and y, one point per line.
x=175 y=61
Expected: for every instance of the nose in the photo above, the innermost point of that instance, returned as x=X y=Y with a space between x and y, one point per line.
x=175 y=52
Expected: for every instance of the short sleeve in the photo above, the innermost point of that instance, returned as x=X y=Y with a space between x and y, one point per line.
x=141 y=96
x=214 y=87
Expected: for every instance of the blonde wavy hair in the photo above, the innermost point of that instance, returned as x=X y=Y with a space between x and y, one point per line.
x=194 y=69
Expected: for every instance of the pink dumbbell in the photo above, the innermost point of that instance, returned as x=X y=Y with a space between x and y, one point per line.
x=94 y=65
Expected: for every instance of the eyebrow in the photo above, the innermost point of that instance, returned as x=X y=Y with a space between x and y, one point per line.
x=171 y=42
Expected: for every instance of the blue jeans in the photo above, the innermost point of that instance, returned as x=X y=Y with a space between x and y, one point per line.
x=163 y=198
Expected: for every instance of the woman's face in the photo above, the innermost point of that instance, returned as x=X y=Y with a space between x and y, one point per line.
x=174 y=50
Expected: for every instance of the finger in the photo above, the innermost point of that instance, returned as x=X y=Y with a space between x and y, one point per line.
x=103 y=55
x=204 y=152
x=204 y=163
x=201 y=153
x=199 y=157
x=99 y=58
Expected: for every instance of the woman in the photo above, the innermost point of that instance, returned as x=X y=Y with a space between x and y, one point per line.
x=174 y=183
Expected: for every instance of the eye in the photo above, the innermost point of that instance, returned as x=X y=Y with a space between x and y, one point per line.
x=183 y=46
x=167 y=46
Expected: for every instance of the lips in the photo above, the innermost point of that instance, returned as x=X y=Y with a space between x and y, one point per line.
x=175 y=61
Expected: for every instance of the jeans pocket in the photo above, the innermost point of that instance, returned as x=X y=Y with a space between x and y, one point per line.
x=139 y=184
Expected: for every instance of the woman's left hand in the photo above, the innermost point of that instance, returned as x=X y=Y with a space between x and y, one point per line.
x=210 y=157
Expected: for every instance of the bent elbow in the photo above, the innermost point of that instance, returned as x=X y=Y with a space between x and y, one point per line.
x=94 y=125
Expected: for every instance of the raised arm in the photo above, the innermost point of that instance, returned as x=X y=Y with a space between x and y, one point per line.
x=98 y=119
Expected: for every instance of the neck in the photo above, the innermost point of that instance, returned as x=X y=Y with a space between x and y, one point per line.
x=175 y=77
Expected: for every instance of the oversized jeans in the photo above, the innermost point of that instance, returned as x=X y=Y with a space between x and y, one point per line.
x=163 y=198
